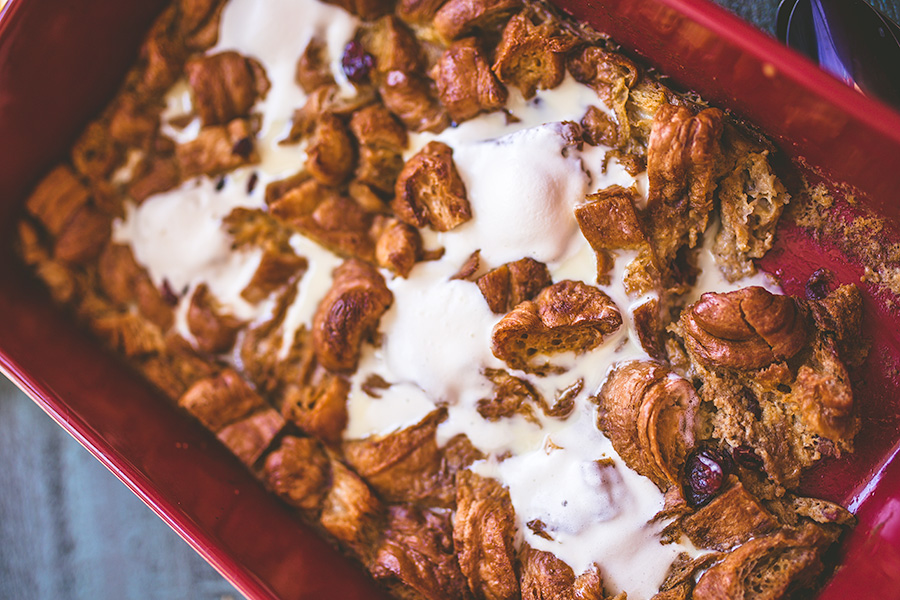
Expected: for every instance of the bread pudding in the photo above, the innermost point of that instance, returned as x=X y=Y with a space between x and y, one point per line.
x=470 y=289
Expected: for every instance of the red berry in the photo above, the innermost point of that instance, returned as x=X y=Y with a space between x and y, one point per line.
x=747 y=458
x=705 y=472
x=356 y=62
x=819 y=284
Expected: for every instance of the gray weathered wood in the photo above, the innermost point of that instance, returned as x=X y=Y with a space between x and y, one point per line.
x=70 y=530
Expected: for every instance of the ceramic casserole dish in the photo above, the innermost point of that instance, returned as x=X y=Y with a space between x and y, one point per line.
x=60 y=63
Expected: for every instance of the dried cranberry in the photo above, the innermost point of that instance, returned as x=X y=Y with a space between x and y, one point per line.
x=705 y=472
x=751 y=403
x=243 y=148
x=747 y=457
x=169 y=296
x=356 y=62
x=818 y=285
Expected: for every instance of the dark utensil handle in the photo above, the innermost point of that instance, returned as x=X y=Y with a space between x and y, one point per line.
x=859 y=45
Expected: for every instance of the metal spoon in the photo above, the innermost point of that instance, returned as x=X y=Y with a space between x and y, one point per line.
x=848 y=38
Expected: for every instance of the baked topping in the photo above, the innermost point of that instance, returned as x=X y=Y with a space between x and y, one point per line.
x=509 y=285
x=568 y=316
x=746 y=329
x=648 y=413
x=457 y=18
x=466 y=85
x=417 y=551
x=483 y=532
x=532 y=53
x=767 y=567
x=349 y=313
x=225 y=86
x=681 y=162
x=546 y=577
x=430 y=192
x=383 y=283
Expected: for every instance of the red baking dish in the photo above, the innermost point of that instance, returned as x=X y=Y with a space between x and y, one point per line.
x=60 y=62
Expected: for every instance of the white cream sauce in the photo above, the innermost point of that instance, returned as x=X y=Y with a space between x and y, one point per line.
x=523 y=182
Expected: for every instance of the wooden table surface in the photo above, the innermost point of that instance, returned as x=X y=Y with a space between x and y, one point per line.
x=70 y=530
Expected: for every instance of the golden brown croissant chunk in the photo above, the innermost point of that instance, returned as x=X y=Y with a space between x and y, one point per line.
x=409 y=466
x=348 y=314
x=128 y=333
x=178 y=368
x=417 y=551
x=823 y=392
x=161 y=57
x=430 y=191
x=57 y=198
x=330 y=155
x=132 y=122
x=350 y=511
x=375 y=126
x=279 y=263
x=774 y=369
x=308 y=395
x=418 y=11
x=393 y=46
x=483 y=533
x=398 y=246
x=648 y=324
x=313 y=69
x=118 y=271
x=731 y=518
x=381 y=141
x=96 y=154
x=458 y=18
x=218 y=148
x=681 y=164
x=413 y=99
x=213 y=330
x=679 y=582
x=317 y=404
x=512 y=395
x=509 y=285
x=324 y=215
x=367 y=10
x=532 y=53
x=230 y=408
x=199 y=22
x=325 y=99
x=83 y=236
x=745 y=329
x=751 y=200
x=221 y=400
x=839 y=314
x=545 y=577
x=609 y=221
x=29 y=244
x=598 y=128
x=568 y=316
x=158 y=173
x=225 y=86
x=466 y=85
x=609 y=74
x=649 y=414
x=767 y=568
x=299 y=471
